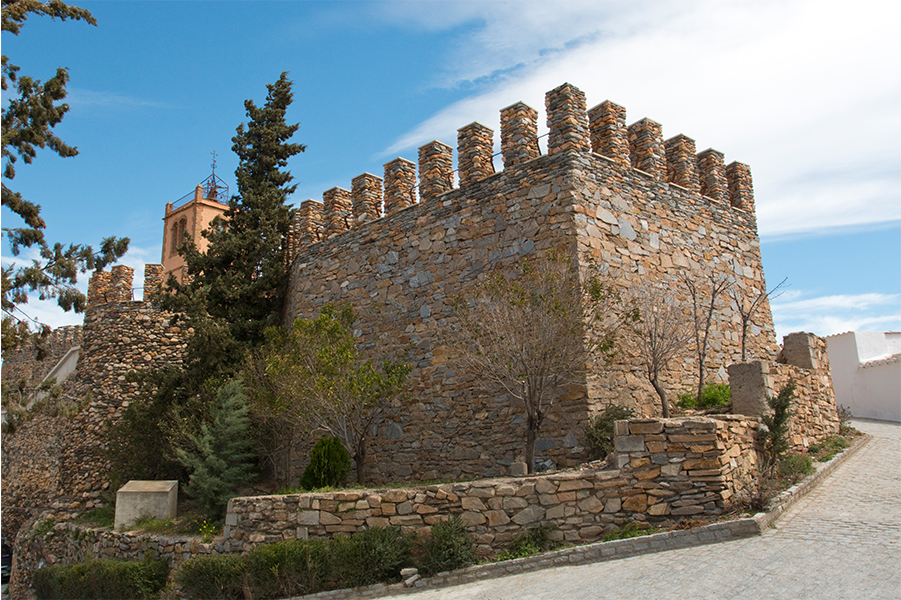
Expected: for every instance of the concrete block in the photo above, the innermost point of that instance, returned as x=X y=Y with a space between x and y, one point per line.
x=136 y=499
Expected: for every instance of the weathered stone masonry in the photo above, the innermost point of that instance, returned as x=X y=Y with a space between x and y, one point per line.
x=402 y=272
x=56 y=462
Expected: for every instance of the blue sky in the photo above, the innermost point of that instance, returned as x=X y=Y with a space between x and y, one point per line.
x=806 y=92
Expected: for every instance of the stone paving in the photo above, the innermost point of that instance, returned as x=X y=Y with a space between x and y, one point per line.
x=842 y=541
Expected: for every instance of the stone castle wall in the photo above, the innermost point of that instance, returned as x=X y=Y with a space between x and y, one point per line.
x=24 y=364
x=642 y=208
x=56 y=462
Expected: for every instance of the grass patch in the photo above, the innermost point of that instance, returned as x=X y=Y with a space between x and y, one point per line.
x=530 y=542
x=630 y=530
x=827 y=448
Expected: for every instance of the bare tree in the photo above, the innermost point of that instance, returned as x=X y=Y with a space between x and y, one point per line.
x=747 y=306
x=660 y=332
x=535 y=333
x=702 y=313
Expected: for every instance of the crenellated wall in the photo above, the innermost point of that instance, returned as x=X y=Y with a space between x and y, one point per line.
x=56 y=462
x=622 y=196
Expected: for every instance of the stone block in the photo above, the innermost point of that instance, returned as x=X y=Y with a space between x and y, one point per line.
x=748 y=383
x=629 y=443
x=136 y=499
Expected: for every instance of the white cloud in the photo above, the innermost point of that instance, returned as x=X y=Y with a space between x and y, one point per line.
x=805 y=92
x=827 y=315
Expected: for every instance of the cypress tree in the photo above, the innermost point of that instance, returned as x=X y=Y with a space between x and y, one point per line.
x=242 y=275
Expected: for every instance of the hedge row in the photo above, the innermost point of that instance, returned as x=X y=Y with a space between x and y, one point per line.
x=298 y=567
x=102 y=579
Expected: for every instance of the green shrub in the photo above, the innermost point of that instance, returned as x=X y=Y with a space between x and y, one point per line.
x=795 y=467
x=712 y=396
x=448 y=547
x=599 y=433
x=111 y=578
x=371 y=556
x=213 y=577
x=775 y=438
x=828 y=447
x=289 y=568
x=329 y=465
x=222 y=458
x=529 y=542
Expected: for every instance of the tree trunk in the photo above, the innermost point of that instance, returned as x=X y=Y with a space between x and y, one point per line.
x=744 y=337
x=531 y=435
x=662 y=393
x=360 y=462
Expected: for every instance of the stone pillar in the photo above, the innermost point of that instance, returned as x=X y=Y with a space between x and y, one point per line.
x=567 y=120
x=366 y=194
x=475 y=144
x=646 y=148
x=153 y=281
x=741 y=187
x=712 y=174
x=609 y=136
x=309 y=223
x=682 y=162
x=749 y=384
x=336 y=203
x=121 y=280
x=798 y=349
x=99 y=288
x=436 y=170
x=519 y=134
x=400 y=185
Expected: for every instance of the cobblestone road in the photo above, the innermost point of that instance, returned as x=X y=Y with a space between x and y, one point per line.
x=843 y=541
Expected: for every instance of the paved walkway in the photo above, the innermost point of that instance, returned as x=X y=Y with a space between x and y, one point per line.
x=841 y=541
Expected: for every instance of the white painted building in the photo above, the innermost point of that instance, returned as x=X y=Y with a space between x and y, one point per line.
x=866 y=373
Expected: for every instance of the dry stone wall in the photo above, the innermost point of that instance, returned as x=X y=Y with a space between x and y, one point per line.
x=804 y=361
x=403 y=271
x=668 y=470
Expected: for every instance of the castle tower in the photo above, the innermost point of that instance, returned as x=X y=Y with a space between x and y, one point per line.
x=188 y=217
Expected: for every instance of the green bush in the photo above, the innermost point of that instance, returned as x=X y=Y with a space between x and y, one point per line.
x=599 y=433
x=795 y=467
x=213 y=577
x=371 y=556
x=529 y=542
x=289 y=568
x=775 y=435
x=222 y=458
x=448 y=547
x=329 y=465
x=111 y=578
x=712 y=396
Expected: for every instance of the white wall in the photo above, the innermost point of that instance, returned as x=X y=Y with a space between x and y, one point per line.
x=866 y=373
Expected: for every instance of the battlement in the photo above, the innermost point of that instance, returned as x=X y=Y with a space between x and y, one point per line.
x=601 y=130
x=116 y=285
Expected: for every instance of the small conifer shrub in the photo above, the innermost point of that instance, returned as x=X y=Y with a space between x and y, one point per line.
x=329 y=465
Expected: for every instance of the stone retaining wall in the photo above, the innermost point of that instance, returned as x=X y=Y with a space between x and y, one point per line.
x=668 y=469
x=803 y=360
